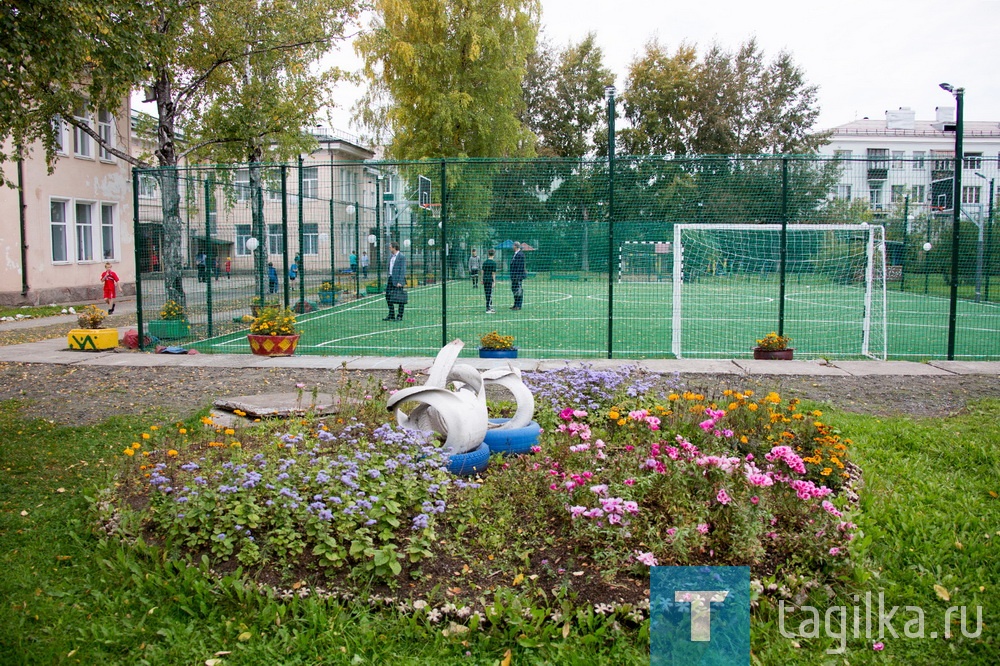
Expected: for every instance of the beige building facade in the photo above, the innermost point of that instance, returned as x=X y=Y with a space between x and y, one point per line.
x=58 y=229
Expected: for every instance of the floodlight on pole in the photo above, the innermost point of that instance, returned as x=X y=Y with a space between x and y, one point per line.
x=956 y=205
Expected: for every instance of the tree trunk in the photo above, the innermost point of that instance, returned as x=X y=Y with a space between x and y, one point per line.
x=172 y=250
x=257 y=222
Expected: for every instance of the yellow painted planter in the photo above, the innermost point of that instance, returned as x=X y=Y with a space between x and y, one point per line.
x=92 y=339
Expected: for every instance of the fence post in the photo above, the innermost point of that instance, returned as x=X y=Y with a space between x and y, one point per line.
x=902 y=258
x=135 y=244
x=783 y=244
x=610 y=90
x=213 y=258
x=284 y=235
x=300 y=265
x=443 y=253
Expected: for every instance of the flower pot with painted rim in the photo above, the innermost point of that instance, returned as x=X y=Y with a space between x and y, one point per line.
x=497 y=353
x=772 y=354
x=92 y=339
x=273 y=345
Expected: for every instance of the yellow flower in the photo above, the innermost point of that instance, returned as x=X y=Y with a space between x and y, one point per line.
x=748 y=393
x=613 y=415
x=172 y=453
x=145 y=435
x=154 y=427
x=743 y=439
x=136 y=445
x=129 y=451
x=733 y=406
x=230 y=431
x=673 y=397
x=773 y=397
x=183 y=431
x=752 y=406
x=622 y=422
x=826 y=471
x=235 y=444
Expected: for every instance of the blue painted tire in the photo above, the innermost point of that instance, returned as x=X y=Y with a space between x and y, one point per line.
x=512 y=442
x=473 y=462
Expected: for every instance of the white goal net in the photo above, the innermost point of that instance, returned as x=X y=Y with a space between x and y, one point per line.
x=729 y=289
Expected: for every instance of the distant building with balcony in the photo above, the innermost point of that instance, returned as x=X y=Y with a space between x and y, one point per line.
x=900 y=161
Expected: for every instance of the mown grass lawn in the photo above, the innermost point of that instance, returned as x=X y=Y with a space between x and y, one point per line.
x=930 y=521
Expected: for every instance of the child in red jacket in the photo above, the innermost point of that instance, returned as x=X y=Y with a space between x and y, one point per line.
x=110 y=280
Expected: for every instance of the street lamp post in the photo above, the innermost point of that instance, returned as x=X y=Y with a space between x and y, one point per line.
x=959 y=94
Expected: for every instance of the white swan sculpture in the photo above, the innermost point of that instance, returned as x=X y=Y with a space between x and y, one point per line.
x=460 y=415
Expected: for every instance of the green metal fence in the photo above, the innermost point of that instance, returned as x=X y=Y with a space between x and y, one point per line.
x=663 y=257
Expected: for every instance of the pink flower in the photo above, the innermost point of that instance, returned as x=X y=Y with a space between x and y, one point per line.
x=723 y=497
x=566 y=414
x=638 y=415
x=614 y=519
x=654 y=423
x=630 y=448
x=646 y=558
x=599 y=490
x=579 y=413
x=754 y=499
x=577 y=511
x=629 y=482
x=536 y=449
x=831 y=509
x=707 y=425
x=671 y=531
x=703 y=528
x=630 y=507
x=878 y=647
x=834 y=551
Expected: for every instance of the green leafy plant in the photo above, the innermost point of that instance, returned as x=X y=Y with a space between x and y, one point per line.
x=91 y=316
x=273 y=320
x=172 y=310
x=773 y=342
x=494 y=340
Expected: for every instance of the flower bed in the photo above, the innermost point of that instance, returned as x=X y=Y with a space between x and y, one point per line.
x=628 y=472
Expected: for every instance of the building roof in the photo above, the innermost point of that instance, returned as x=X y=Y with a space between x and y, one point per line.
x=921 y=128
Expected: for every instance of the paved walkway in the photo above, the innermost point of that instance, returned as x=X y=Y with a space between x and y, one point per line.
x=56 y=351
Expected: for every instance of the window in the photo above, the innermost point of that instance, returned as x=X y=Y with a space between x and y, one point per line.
x=84 y=231
x=241 y=184
x=348 y=185
x=275 y=242
x=310 y=239
x=57 y=127
x=57 y=223
x=875 y=197
x=973 y=161
x=844 y=192
x=898 y=193
x=878 y=158
x=310 y=182
x=943 y=160
x=104 y=120
x=108 y=231
x=148 y=186
x=242 y=234
x=918 y=159
x=971 y=194
x=81 y=140
x=897 y=159
x=919 y=194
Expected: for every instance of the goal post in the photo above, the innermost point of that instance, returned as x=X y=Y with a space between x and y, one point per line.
x=727 y=284
x=644 y=261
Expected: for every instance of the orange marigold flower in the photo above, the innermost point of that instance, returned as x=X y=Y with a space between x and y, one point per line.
x=145 y=435
x=129 y=451
x=172 y=453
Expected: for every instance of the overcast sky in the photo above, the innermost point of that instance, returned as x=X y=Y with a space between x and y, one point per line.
x=866 y=56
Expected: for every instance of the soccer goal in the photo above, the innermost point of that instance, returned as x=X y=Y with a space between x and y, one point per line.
x=644 y=261
x=730 y=287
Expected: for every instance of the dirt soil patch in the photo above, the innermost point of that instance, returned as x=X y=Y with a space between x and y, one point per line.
x=84 y=395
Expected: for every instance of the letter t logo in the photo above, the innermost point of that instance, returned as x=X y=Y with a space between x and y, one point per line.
x=701 y=610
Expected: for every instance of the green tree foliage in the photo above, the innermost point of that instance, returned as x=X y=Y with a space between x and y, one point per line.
x=564 y=97
x=444 y=76
x=728 y=103
x=61 y=55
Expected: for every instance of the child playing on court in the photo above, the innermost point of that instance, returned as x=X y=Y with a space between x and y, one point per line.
x=110 y=280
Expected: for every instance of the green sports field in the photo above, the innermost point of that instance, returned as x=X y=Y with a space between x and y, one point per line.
x=720 y=317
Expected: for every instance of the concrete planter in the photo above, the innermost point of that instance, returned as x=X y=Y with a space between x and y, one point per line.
x=92 y=339
x=169 y=329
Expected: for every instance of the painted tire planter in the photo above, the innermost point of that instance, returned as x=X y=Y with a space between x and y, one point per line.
x=465 y=464
x=512 y=442
x=327 y=298
x=273 y=345
x=92 y=339
x=772 y=354
x=169 y=329
x=497 y=353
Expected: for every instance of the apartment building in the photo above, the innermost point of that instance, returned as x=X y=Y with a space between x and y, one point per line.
x=899 y=161
x=58 y=229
